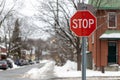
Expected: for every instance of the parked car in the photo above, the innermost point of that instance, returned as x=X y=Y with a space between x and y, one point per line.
x=31 y=62
x=37 y=61
x=3 y=64
x=9 y=62
x=23 y=62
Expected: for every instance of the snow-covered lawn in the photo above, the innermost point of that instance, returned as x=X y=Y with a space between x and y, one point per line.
x=50 y=70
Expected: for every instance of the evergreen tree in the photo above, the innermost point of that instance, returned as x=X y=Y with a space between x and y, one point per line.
x=16 y=39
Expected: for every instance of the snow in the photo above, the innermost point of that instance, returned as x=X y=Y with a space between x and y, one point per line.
x=45 y=72
x=44 y=61
x=85 y=1
x=14 y=65
x=50 y=70
x=67 y=67
x=3 y=53
x=112 y=35
x=2 y=46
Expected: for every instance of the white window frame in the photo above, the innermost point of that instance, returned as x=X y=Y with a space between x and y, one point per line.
x=115 y=20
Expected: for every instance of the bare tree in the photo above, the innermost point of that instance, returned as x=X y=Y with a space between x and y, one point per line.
x=56 y=14
x=7 y=19
x=4 y=12
x=40 y=46
x=28 y=27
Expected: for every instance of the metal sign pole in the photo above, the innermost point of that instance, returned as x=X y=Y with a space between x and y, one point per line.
x=83 y=52
x=83 y=29
x=84 y=58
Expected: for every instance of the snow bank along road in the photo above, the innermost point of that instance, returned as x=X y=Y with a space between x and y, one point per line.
x=91 y=78
x=50 y=71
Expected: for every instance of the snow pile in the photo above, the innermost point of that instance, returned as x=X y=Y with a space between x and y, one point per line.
x=69 y=66
x=14 y=65
x=49 y=70
x=44 y=61
x=68 y=70
x=45 y=72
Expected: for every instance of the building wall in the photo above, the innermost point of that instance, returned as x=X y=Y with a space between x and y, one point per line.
x=99 y=48
x=119 y=52
x=94 y=42
x=3 y=54
x=104 y=52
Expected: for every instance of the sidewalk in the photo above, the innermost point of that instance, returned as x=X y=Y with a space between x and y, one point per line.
x=92 y=78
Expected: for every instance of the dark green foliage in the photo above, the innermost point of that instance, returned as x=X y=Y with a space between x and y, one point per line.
x=16 y=39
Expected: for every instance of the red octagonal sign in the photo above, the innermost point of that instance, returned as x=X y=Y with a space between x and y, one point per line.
x=83 y=23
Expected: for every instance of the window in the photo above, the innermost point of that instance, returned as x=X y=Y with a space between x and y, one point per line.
x=112 y=20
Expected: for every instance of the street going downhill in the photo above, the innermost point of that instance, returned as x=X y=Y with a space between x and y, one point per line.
x=16 y=74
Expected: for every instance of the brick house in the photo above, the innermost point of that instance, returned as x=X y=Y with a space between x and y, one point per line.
x=104 y=43
x=3 y=52
x=3 y=49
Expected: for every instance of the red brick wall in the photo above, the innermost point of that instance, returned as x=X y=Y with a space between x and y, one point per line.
x=100 y=47
x=3 y=50
x=119 y=52
x=96 y=47
x=104 y=52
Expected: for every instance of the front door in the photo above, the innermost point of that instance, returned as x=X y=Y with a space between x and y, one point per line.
x=112 y=52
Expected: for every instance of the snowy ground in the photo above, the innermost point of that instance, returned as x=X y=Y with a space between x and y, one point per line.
x=50 y=70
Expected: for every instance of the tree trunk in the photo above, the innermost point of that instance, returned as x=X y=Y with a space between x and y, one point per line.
x=78 y=60
x=19 y=53
x=78 y=48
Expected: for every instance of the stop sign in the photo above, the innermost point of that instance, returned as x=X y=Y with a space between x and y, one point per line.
x=83 y=23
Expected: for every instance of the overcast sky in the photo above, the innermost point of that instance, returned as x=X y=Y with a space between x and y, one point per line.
x=29 y=10
x=29 y=7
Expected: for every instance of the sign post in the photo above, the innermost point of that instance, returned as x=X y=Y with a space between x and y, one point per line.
x=83 y=23
x=84 y=62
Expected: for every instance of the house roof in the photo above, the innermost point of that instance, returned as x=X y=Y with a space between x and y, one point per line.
x=111 y=35
x=3 y=53
x=105 y=4
x=1 y=46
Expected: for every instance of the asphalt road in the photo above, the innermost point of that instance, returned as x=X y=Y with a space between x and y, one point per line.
x=16 y=74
